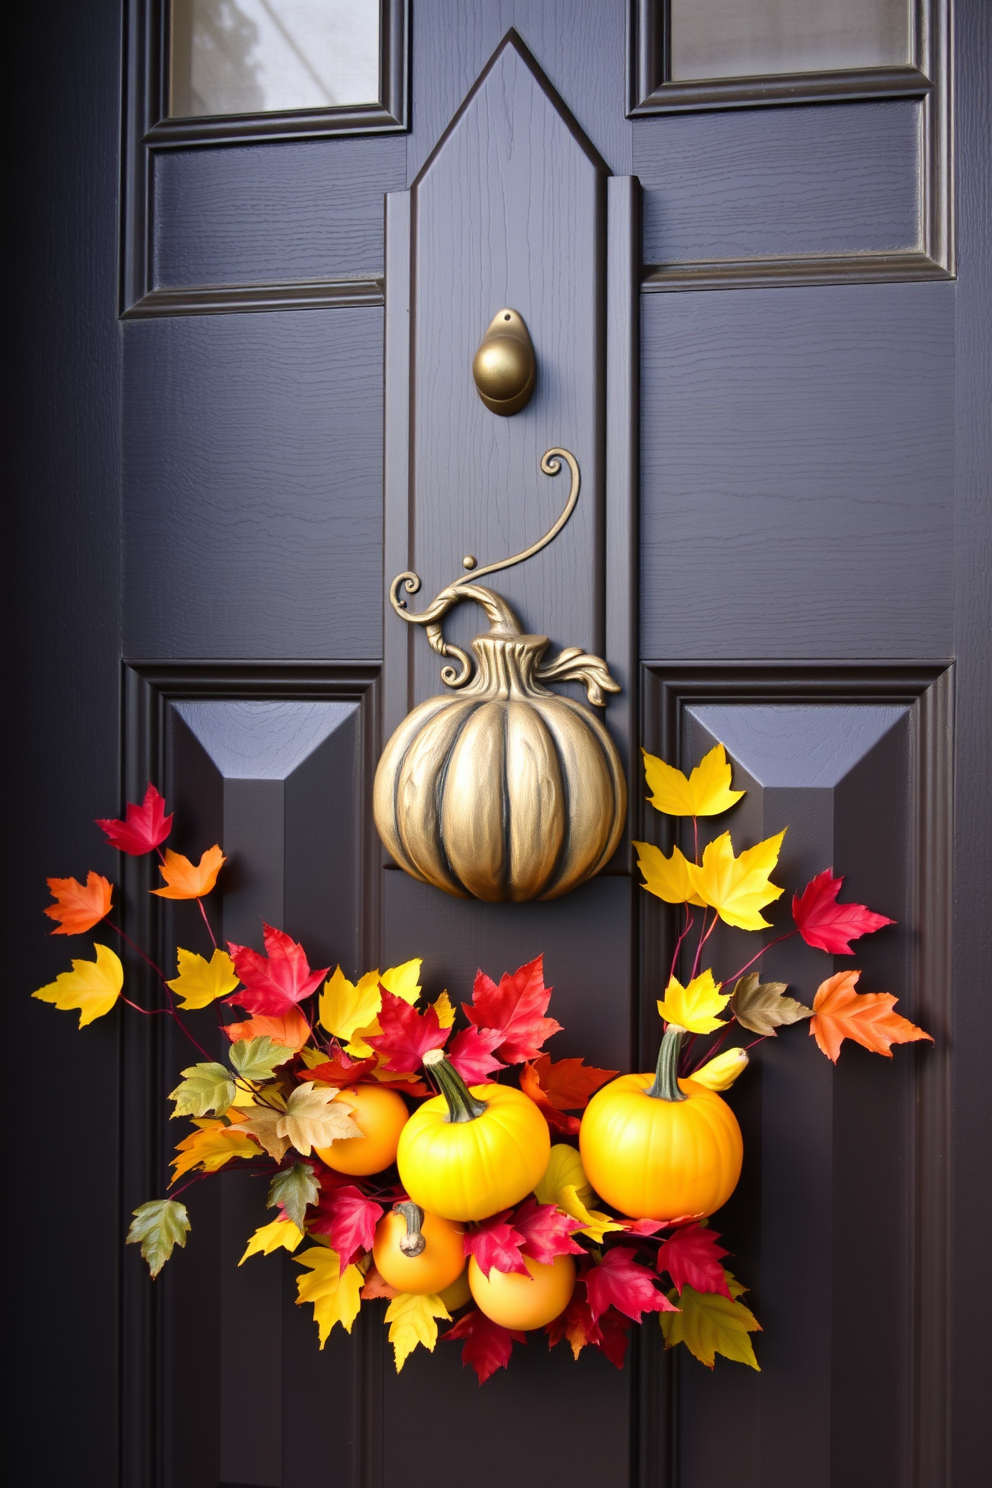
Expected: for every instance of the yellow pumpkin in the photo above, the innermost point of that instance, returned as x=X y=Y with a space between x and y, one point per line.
x=466 y=1154
x=505 y=791
x=418 y=1252
x=381 y=1115
x=656 y=1147
x=517 y=1301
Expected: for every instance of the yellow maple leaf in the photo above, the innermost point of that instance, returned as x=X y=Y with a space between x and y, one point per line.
x=444 y=1010
x=694 y=1007
x=335 y=1298
x=200 y=981
x=595 y=1223
x=738 y=888
x=412 y=1321
x=710 y=1324
x=280 y=1233
x=666 y=878
x=91 y=988
x=706 y=792
x=350 y=1009
x=721 y=1072
x=210 y=1147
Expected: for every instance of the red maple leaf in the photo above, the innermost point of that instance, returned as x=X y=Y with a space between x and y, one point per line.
x=564 y=1085
x=516 y=1008
x=621 y=1281
x=546 y=1231
x=143 y=827
x=340 y=1070
x=692 y=1258
x=277 y=982
x=646 y=1226
x=828 y=925
x=609 y=1333
x=486 y=1346
x=496 y=1245
x=471 y=1052
x=348 y=1219
x=406 y=1034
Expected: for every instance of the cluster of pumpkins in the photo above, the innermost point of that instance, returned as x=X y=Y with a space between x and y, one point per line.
x=467 y=1154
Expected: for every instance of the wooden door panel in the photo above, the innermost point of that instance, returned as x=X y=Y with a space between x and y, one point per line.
x=796 y=473
x=253 y=526
x=834 y=1224
x=275 y=764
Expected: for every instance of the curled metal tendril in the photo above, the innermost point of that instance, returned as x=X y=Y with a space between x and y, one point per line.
x=498 y=612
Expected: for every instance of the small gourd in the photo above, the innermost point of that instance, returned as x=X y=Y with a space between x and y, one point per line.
x=418 y=1252
x=517 y=1301
x=657 y=1147
x=381 y=1115
x=466 y=1154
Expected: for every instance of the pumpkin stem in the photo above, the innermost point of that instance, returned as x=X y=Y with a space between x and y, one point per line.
x=413 y=1243
x=666 y=1075
x=462 y=1104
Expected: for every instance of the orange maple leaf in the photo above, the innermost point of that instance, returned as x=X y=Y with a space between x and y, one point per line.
x=867 y=1017
x=291 y=1029
x=78 y=907
x=185 y=880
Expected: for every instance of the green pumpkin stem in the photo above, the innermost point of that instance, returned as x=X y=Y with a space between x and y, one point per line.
x=666 y=1075
x=413 y=1243
x=462 y=1104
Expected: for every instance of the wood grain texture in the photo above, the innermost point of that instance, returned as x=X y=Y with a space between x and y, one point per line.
x=761 y=182
x=510 y=210
x=62 y=577
x=245 y=214
x=963 y=1455
x=796 y=473
x=253 y=485
x=581 y=45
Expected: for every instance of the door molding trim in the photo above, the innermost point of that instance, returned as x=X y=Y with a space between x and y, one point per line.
x=667 y=689
x=929 y=80
x=147 y=130
x=147 y=689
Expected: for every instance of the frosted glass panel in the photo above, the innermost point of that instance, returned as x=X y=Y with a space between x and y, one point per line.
x=270 y=56
x=754 y=38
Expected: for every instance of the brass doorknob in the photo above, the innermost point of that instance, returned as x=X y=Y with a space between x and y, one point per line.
x=505 y=367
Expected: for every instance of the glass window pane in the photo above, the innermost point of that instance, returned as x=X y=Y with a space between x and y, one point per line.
x=269 y=56
x=754 y=38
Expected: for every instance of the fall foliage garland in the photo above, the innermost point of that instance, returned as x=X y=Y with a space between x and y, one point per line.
x=335 y=1102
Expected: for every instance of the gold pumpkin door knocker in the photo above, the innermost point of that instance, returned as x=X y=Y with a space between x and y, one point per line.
x=502 y=790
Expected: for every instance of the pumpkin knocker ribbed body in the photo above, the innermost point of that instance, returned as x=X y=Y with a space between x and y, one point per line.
x=502 y=790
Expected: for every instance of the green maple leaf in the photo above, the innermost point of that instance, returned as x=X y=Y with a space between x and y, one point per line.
x=761 y=1007
x=158 y=1227
x=205 y=1087
x=709 y=1324
x=258 y=1058
x=293 y=1188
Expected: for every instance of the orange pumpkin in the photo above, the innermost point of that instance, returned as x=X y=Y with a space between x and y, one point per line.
x=382 y=1115
x=517 y=1301
x=656 y=1147
x=418 y=1252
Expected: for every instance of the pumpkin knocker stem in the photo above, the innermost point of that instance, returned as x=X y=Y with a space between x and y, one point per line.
x=462 y=1104
x=666 y=1075
x=413 y=1243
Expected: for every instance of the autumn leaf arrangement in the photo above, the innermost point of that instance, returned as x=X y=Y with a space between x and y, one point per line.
x=404 y=1167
